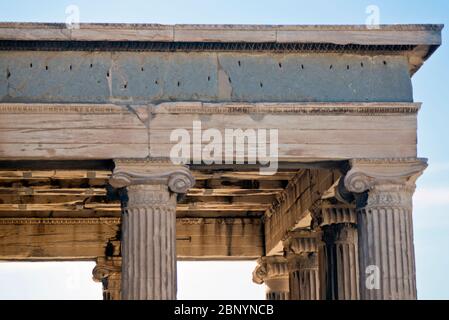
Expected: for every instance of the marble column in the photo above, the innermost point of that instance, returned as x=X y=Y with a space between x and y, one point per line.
x=338 y=251
x=108 y=271
x=383 y=190
x=301 y=252
x=272 y=270
x=149 y=192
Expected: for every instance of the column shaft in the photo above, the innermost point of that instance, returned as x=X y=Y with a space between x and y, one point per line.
x=339 y=260
x=301 y=251
x=304 y=277
x=149 y=191
x=387 y=256
x=149 y=243
x=338 y=250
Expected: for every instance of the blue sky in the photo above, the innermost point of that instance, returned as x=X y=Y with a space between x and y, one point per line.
x=431 y=216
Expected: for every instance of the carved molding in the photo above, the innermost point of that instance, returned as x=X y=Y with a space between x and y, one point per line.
x=150 y=199
x=60 y=108
x=270 y=267
x=178 y=178
x=365 y=174
x=59 y=221
x=390 y=195
x=117 y=221
x=370 y=108
x=145 y=195
x=282 y=108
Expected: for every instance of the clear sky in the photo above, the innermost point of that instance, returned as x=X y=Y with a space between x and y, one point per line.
x=431 y=214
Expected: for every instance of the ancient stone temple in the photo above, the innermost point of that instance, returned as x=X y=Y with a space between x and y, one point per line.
x=106 y=133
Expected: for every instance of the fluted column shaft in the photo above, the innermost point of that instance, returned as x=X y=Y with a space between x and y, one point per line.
x=338 y=252
x=386 y=245
x=149 y=243
x=384 y=190
x=301 y=252
x=304 y=277
x=149 y=192
x=272 y=270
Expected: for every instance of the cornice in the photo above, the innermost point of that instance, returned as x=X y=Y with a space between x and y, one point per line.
x=208 y=33
x=157 y=26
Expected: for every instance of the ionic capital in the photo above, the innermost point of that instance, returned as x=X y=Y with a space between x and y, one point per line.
x=129 y=172
x=366 y=174
x=107 y=267
x=338 y=213
x=301 y=241
x=270 y=267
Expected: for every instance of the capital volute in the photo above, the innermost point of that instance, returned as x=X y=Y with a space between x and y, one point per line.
x=270 y=267
x=366 y=174
x=106 y=267
x=129 y=172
